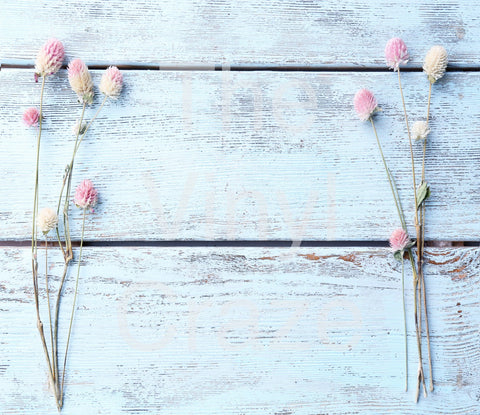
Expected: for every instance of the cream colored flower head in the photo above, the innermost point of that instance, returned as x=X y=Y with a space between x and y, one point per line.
x=435 y=63
x=420 y=130
x=81 y=80
x=47 y=220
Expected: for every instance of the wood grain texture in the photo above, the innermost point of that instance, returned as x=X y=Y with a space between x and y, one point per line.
x=245 y=156
x=244 y=331
x=251 y=32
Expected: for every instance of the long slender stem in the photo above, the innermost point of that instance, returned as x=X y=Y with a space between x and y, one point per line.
x=423 y=247
x=35 y=198
x=392 y=187
x=411 y=147
x=90 y=123
x=420 y=375
x=48 y=304
x=34 y=247
x=419 y=298
x=405 y=326
x=74 y=299
x=57 y=310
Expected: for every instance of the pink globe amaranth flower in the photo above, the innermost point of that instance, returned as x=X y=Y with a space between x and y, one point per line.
x=31 y=116
x=396 y=53
x=49 y=58
x=85 y=195
x=365 y=104
x=399 y=240
x=112 y=82
x=80 y=80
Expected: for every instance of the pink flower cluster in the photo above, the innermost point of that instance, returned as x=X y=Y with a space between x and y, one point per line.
x=399 y=240
x=365 y=104
x=112 y=82
x=396 y=53
x=49 y=59
x=85 y=195
x=31 y=116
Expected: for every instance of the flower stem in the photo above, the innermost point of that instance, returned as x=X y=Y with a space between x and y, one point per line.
x=390 y=180
x=405 y=326
x=74 y=299
x=48 y=304
x=411 y=147
x=89 y=124
x=35 y=197
x=34 y=247
x=420 y=375
x=422 y=216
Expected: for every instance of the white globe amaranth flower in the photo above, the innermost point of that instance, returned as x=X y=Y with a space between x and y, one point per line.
x=420 y=130
x=47 y=220
x=435 y=63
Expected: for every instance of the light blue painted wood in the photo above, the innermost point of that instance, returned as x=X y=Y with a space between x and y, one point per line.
x=275 y=32
x=244 y=330
x=237 y=155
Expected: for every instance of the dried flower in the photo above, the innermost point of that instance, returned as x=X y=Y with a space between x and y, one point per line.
x=85 y=195
x=80 y=80
x=365 y=104
x=396 y=53
x=112 y=82
x=31 y=116
x=420 y=130
x=49 y=58
x=399 y=240
x=47 y=220
x=79 y=129
x=435 y=63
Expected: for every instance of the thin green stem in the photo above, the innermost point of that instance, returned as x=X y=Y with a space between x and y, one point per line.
x=35 y=197
x=392 y=186
x=422 y=213
x=68 y=179
x=74 y=299
x=48 y=304
x=90 y=123
x=420 y=375
x=411 y=147
x=57 y=311
x=405 y=326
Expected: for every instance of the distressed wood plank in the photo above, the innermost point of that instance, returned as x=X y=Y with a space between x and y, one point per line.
x=244 y=330
x=244 y=156
x=275 y=32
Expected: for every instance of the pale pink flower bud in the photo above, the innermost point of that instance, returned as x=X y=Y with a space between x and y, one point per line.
x=31 y=116
x=85 y=195
x=112 y=82
x=365 y=104
x=49 y=58
x=399 y=240
x=47 y=220
x=80 y=80
x=396 y=53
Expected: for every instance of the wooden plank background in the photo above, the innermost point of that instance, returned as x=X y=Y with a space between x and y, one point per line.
x=236 y=125
x=245 y=330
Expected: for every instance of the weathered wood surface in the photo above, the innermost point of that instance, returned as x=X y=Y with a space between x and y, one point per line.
x=247 y=32
x=244 y=330
x=245 y=155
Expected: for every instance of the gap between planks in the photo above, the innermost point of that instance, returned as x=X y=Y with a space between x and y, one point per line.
x=136 y=66
x=244 y=243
